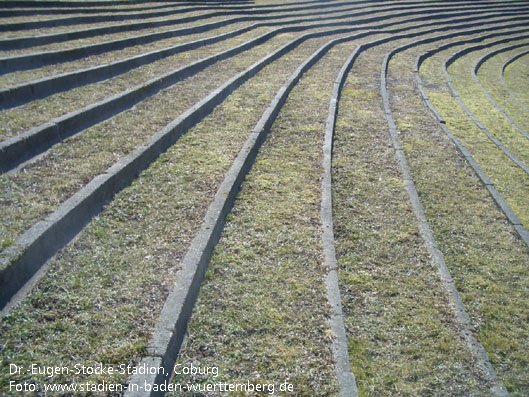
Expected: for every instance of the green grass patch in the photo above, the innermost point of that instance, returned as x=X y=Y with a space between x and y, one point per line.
x=478 y=103
x=489 y=76
x=482 y=251
x=402 y=334
x=516 y=77
x=510 y=180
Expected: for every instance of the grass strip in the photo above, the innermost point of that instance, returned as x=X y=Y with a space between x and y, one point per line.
x=72 y=43
x=401 y=328
x=485 y=256
x=488 y=75
x=22 y=76
x=254 y=13
x=246 y=19
x=40 y=88
x=358 y=14
x=102 y=293
x=43 y=12
x=477 y=102
x=462 y=318
x=13 y=119
x=36 y=190
x=32 y=10
x=337 y=7
x=21 y=118
x=516 y=76
x=504 y=83
x=64 y=175
x=195 y=17
x=41 y=241
x=22 y=62
x=106 y=15
x=16 y=23
x=33 y=28
x=510 y=180
x=261 y=312
x=373 y=19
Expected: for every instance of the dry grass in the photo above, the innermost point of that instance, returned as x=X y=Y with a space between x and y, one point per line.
x=125 y=9
x=37 y=189
x=25 y=76
x=68 y=28
x=22 y=118
x=115 y=277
